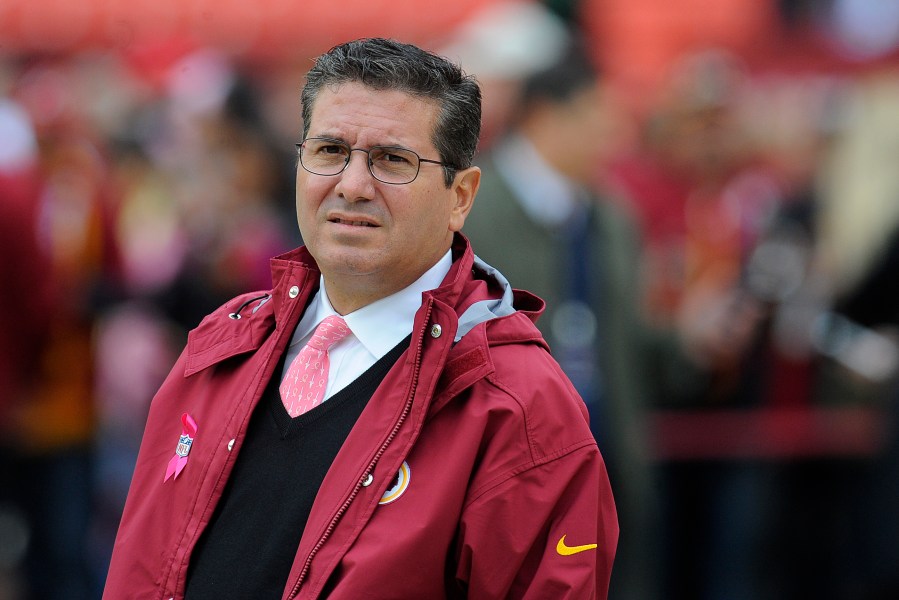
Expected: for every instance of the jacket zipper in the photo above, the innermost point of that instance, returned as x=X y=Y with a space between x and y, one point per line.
x=396 y=428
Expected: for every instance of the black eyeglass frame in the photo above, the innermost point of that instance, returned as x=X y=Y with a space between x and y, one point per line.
x=369 y=162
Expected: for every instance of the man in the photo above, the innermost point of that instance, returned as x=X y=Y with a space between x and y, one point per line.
x=449 y=456
x=540 y=219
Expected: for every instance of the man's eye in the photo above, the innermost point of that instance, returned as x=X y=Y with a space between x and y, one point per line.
x=397 y=158
x=393 y=157
x=332 y=149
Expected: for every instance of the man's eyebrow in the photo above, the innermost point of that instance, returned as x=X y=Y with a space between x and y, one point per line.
x=326 y=136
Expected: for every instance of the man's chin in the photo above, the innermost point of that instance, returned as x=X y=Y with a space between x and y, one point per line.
x=348 y=263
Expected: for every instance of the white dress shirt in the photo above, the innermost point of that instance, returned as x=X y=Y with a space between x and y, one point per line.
x=375 y=329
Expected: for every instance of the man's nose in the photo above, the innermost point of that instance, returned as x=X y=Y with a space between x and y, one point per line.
x=356 y=181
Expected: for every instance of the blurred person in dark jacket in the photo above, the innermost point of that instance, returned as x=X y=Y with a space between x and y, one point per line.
x=541 y=218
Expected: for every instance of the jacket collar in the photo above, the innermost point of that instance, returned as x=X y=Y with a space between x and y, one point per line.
x=244 y=323
x=295 y=268
x=473 y=290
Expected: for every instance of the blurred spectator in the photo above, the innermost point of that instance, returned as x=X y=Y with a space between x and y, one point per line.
x=873 y=306
x=823 y=356
x=502 y=44
x=199 y=219
x=53 y=425
x=25 y=278
x=860 y=209
x=25 y=282
x=762 y=466
x=134 y=206
x=703 y=210
x=702 y=207
x=219 y=176
x=539 y=219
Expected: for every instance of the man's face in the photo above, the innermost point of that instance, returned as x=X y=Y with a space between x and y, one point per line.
x=371 y=239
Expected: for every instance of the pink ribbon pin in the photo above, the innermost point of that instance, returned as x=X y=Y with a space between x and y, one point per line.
x=179 y=460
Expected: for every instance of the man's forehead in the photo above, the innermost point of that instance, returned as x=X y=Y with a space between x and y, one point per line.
x=351 y=109
x=358 y=91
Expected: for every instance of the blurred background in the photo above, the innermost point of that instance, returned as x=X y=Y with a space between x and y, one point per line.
x=747 y=149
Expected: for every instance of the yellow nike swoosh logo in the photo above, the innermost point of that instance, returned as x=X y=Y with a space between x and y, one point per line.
x=564 y=550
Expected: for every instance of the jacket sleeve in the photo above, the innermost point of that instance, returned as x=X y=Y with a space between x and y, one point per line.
x=548 y=531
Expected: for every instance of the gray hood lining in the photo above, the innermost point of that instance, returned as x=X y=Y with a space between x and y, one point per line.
x=486 y=310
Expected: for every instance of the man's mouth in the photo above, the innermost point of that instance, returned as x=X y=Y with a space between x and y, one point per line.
x=354 y=223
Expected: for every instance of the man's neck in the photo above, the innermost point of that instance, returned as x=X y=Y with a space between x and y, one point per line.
x=346 y=299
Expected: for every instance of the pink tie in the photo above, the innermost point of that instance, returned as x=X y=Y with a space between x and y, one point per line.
x=303 y=387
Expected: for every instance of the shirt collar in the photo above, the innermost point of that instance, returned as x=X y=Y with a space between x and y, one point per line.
x=546 y=195
x=383 y=324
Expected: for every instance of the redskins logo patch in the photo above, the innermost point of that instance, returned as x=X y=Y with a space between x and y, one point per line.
x=398 y=486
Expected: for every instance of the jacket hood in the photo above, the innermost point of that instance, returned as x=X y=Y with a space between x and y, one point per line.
x=485 y=310
x=480 y=293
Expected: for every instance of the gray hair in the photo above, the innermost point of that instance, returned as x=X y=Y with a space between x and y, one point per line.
x=383 y=64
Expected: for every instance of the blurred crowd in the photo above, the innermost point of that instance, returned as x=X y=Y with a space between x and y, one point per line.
x=136 y=200
x=720 y=258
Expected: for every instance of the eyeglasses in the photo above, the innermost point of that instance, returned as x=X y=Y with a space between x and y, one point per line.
x=388 y=164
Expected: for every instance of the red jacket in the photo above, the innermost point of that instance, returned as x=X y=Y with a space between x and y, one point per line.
x=503 y=492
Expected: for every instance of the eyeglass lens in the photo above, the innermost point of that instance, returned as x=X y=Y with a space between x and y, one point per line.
x=387 y=164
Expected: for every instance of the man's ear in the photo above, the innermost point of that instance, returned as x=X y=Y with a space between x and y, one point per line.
x=464 y=189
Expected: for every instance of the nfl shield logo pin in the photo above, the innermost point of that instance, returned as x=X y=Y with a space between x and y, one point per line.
x=185 y=441
x=184 y=444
